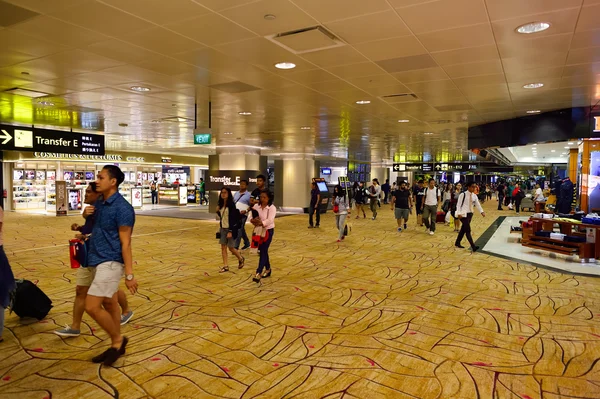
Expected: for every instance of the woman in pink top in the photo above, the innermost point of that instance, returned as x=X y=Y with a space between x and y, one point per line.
x=264 y=221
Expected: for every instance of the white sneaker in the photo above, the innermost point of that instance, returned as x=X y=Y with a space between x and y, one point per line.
x=431 y=233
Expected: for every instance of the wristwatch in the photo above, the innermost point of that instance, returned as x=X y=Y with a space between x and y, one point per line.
x=129 y=277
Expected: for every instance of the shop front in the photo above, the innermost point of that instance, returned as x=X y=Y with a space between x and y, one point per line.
x=32 y=178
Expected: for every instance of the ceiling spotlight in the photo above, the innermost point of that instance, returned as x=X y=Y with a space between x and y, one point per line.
x=123 y=124
x=445 y=141
x=363 y=102
x=428 y=133
x=305 y=128
x=533 y=27
x=534 y=145
x=47 y=103
x=403 y=121
x=228 y=133
x=140 y=88
x=552 y=150
x=567 y=148
x=285 y=65
x=534 y=111
x=533 y=86
x=245 y=113
x=570 y=143
x=269 y=17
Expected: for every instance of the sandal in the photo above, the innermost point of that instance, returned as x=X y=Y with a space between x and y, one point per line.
x=224 y=269
x=256 y=278
x=241 y=263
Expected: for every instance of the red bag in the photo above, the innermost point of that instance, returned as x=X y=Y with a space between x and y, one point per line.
x=73 y=245
x=440 y=217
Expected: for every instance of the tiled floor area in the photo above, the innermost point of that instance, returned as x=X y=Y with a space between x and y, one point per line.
x=382 y=315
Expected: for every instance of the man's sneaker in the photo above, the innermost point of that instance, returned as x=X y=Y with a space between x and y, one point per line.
x=431 y=233
x=399 y=229
x=67 y=332
x=125 y=318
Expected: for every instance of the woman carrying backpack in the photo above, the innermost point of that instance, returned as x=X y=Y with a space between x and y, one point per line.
x=341 y=209
x=229 y=224
x=7 y=279
x=359 y=199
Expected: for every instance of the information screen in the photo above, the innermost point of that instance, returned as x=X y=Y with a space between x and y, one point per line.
x=322 y=186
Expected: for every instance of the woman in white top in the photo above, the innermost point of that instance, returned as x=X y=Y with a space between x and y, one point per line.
x=539 y=195
x=264 y=221
x=341 y=209
x=448 y=192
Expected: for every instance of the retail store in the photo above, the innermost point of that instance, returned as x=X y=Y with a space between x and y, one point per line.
x=30 y=179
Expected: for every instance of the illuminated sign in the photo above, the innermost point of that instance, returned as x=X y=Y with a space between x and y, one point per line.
x=203 y=138
x=15 y=138
x=83 y=157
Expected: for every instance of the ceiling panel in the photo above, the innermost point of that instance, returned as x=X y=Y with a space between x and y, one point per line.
x=506 y=9
x=398 y=47
x=370 y=27
x=162 y=41
x=457 y=38
x=561 y=21
x=333 y=57
x=421 y=75
x=334 y=10
x=474 y=69
x=59 y=32
x=211 y=29
x=156 y=12
x=443 y=14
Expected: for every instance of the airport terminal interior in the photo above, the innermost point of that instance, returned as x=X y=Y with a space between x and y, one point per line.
x=359 y=119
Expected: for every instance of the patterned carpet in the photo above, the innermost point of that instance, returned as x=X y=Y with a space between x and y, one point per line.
x=382 y=315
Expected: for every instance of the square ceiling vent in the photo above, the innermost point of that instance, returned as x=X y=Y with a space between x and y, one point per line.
x=306 y=40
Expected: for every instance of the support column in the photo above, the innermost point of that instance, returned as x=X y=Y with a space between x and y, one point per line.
x=380 y=174
x=572 y=171
x=293 y=178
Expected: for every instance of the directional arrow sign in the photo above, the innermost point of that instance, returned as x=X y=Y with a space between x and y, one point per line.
x=7 y=137
x=438 y=167
x=398 y=167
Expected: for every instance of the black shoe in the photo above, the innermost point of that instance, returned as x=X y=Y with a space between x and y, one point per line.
x=245 y=247
x=101 y=357
x=459 y=246
x=256 y=278
x=475 y=248
x=311 y=227
x=112 y=355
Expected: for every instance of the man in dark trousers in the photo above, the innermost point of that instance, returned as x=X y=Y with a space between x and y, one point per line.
x=385 y=187
x=464 y=212
x=315 y=201
x=501 y=192
x=110 y=252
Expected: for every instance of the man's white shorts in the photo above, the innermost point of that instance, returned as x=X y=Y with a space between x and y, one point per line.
x=106 y=281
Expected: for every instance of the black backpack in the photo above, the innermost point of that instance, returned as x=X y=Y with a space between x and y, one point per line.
x=30 y=301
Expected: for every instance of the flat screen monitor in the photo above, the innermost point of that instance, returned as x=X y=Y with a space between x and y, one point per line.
x=18 y=175
x=89 y=175
x=30 y=175
x=322 y=186
x=326 y=171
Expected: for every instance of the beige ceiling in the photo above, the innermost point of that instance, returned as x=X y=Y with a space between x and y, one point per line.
x=460 y=59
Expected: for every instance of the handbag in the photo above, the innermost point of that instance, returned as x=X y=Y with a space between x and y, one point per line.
x=336 y=208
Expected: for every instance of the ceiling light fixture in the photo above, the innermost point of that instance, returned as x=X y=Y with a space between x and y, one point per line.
x=403 y=121
x=140 y=89
x=47 y=103
x=533 y=27
x=533 y=85
x=269 y=17
x=534 y=111
x=363 y=102
x=534 y=145
x=305 y=128
x=567 y=148
x=245 y=113
x=428 y=133
x=445 y=141
x=552 y=150
x=228 y=133
x=570 y=143
x=24 y=73
x=285 y=65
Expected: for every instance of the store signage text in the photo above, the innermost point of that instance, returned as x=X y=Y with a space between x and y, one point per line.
x=86 y=157
x=202 y=138
x=135 y=159
x=166 y=160
x=15 y=138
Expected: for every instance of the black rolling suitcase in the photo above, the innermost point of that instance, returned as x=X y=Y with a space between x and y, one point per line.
x=30 y=301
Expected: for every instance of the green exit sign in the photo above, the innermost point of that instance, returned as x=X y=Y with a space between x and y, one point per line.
x=203 y=138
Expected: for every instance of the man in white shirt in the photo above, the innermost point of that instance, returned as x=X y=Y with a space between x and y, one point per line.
x=430 y=206
x=464 y=212
x=374 y=194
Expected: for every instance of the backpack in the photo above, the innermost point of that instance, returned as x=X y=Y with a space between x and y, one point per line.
x=30 y=301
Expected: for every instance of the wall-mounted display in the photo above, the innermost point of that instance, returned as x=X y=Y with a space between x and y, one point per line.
x=89 y=176
x=40 y=175
x=79 y=175
x=68 y=176
x=51 y=175
x=18 y=174
x=74 y=200
x=30 y=175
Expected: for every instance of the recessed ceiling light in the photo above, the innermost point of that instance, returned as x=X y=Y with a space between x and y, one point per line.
x=140 y=88
x=533 y=27
x=285 y=65
x=567 y=148
x=428 y=133
x=245 y=113
x=269 y=17
x=228 y=133
x=445 y=141
x=533 y=85
x=570 y=143
x=534 y=145
x=534 y=111
x=362 y=102
x=552 y=150
x=403 y=121
x=47 y=103
x=305 y=128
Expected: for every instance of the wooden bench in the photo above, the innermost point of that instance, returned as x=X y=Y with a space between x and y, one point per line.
x=583 y=249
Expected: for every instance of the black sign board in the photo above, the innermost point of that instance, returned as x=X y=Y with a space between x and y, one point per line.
x=424 y=167
x=217 y=179
x=455 y=167
x=16 y=138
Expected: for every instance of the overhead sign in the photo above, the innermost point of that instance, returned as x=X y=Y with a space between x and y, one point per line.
x=398 y=167
x=217 y=179
x=16 y=138
x=424 y=167
x=202 y=138
x=455 y=167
